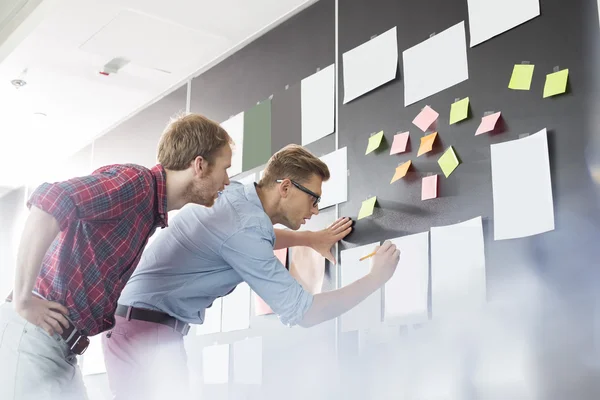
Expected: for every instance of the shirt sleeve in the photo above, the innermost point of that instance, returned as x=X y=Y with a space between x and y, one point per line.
x=250 y=253
x=102 y=195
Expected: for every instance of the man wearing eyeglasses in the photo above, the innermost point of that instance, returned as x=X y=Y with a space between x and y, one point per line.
x=206 y=252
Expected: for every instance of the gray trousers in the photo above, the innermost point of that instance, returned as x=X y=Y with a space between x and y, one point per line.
x=33 y=364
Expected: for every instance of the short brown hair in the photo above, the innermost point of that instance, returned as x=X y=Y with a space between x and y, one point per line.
x=188 y=136
x=293 y=162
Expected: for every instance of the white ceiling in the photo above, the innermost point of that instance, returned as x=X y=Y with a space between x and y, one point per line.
x=63 y=44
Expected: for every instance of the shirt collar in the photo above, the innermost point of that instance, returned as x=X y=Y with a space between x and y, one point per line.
x=160 y=177
x=252 y=196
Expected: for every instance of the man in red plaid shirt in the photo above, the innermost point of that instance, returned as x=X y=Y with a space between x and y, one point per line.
x=81 y=243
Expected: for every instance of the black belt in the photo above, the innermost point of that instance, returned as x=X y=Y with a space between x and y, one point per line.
x=157 y=317
x=77 y=342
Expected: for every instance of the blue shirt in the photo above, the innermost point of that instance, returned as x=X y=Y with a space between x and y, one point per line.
x=205 y=252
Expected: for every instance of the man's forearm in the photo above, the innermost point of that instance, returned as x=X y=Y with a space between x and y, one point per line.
x=40 y=231
x=332 y=304
x=285 y=238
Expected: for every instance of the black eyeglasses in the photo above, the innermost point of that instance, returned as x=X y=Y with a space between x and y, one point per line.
x=305 y=190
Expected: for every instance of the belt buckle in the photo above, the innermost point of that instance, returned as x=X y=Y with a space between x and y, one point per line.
x=81 y=344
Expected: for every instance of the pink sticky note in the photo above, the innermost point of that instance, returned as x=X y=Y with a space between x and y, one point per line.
x=425 y=118
x=260 y=307
x=400 y=142
x=429 y=187
x=488 y=123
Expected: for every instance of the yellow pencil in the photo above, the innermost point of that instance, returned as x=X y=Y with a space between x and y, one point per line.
x=368 y=256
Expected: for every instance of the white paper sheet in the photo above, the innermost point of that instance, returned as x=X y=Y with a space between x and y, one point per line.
x=236 y=309
x=522 y=187
x=215 y=364
x=335 y=190
x=406 y=292
x=457 y=268
x=93 y=358
x=235 y=127
x=368 y=313
x=247 y=361
x=318 y=105
x=489 y=18
x=370 y=65
x=212 y=319
x=436 y=64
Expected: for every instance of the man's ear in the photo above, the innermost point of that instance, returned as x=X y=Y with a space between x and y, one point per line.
x=200 y=166
x=284 y=188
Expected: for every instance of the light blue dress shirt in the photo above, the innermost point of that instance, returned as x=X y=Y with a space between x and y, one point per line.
x=205 y=252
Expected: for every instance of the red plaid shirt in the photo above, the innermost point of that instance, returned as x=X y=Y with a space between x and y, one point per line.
x=105 y=221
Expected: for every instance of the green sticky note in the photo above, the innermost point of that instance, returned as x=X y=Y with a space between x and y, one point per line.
x=459 y=110
x=521 y=77
x=556 y=83
x=448 y=161
x=367 y=207
x=374 y=142
x=257 y=136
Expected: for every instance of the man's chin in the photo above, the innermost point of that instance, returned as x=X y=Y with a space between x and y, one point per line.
x=205 y=202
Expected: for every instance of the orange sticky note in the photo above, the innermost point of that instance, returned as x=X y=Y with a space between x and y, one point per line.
x=426 y=118
x=427 y=143
x=400 y=142
x=488 y=123
x=429 y=187
x=401 y=171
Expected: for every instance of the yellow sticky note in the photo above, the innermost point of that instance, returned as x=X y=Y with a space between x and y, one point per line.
x=448 y=161
x=521 y=77
x=367 y=207
x=374 y=142
x=427 y=143
x=459 y=110
x=556 y=83
x=401 y=171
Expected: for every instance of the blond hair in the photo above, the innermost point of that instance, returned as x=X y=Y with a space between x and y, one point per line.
x=293 y=162
x=189 y=136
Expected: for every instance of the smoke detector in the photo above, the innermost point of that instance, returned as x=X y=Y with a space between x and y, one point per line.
x=20 y=81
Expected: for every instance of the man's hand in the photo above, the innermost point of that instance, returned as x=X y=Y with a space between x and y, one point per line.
x=48 y=315
x=385 y=261
x=322 y=241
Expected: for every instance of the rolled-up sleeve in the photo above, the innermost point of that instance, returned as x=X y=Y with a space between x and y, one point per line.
x=250 y=253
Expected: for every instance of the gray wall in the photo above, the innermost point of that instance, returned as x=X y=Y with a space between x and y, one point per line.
x=563 y=262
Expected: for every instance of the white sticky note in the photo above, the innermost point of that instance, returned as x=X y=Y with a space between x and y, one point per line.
x=236 y=309
x=318 y=105
x=235 y=128
x=212 y=319
x=92 y=362
x=489 y=18
x=436 y=64
x=215 y=364
x=247 y=361
x=335 y=190
x=247 y=179
x=367 y=314
x=370 y=65
x=522 y=187
x=458 y=282
x=406 y=292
